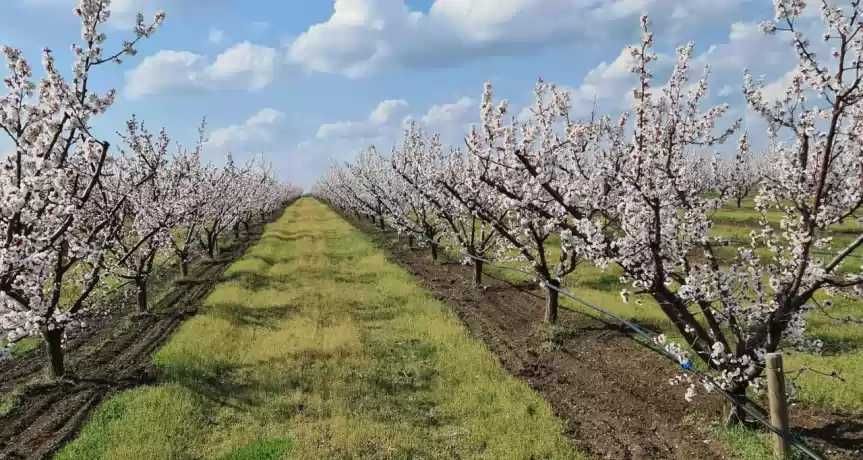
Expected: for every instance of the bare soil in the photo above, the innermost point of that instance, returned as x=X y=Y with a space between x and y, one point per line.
x=113 y=353
x=612 y=393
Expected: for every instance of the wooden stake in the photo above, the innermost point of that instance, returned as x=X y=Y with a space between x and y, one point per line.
x=778 y=405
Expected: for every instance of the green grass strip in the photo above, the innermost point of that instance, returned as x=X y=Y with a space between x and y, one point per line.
x=315 y=346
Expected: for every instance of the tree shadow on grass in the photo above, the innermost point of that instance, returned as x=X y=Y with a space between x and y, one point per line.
x=356 y=278
x=263 y=317
x=267 y=259
x=834 y=346
x=249 y=280
x=844 y=433
x=401 y=382
x=217 y=383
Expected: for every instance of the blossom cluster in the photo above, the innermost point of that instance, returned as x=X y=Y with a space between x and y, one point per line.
x=73 y=211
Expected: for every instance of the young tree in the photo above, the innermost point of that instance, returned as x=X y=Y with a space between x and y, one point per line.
x=52 y=247
x=454 y=190
x=342 y=189
x=221 y=187
x=376 y=183
x=638 y=196
x=415 y=163
x=740 y=176
x=511 y=194
x=187 y=163
x=152 y=185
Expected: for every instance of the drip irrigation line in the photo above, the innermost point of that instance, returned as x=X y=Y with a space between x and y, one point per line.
x=747 y=405
x=756 y=412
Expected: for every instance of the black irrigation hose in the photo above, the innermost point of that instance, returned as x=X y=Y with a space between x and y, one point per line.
x=755 y=411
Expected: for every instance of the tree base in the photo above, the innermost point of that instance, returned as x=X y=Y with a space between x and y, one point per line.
x=55 y=369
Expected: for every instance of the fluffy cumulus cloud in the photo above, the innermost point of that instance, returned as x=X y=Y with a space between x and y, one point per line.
x=381 y=121
x=451 y=120
x=262 y=135
x=242 y=66
x=364 y=36
x=258 y=130
x=383 y=128
x=250 y=65
x=607 y=87
x=747 y=47
x=386 y=122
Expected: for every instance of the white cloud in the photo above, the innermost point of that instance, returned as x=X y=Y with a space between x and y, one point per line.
x=444 y=114
x=365 y=36
x=383 y=119
x=387 y=120
x=347 y=130
x=165 y=70
x=388 y=110
x=748 y=47
x=383 y=127
x=257 y=131
x=250 y=65
x=775 y=90
x=452 y=120
x=608 y=86
x=216 y=36
x=243 y=66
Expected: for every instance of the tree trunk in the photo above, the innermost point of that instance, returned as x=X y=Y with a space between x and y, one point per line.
x=477 y=273
x=434 y=251
x=739 y=201
x=237 y=231
x=141 y=283
x=212 y=245
x=736 y=415
x=551 y=301
x=410 y=241
x=184 y=267
x=54 y=352
x=208 y=245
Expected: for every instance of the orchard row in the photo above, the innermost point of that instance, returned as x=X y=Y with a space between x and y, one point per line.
x=77 y=215
x=640 y=191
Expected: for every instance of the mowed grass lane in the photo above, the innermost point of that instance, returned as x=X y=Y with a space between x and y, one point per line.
x=316 y=346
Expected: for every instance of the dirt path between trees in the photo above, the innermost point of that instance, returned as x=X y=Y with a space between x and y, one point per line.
x=112 y=354
x=612 y=393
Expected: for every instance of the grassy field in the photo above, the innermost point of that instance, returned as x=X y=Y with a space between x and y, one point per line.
x=315 y=346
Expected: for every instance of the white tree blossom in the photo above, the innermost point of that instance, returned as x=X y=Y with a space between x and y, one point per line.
x=53 y=245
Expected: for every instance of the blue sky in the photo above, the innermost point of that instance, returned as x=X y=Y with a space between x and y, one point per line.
x=307 y=82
